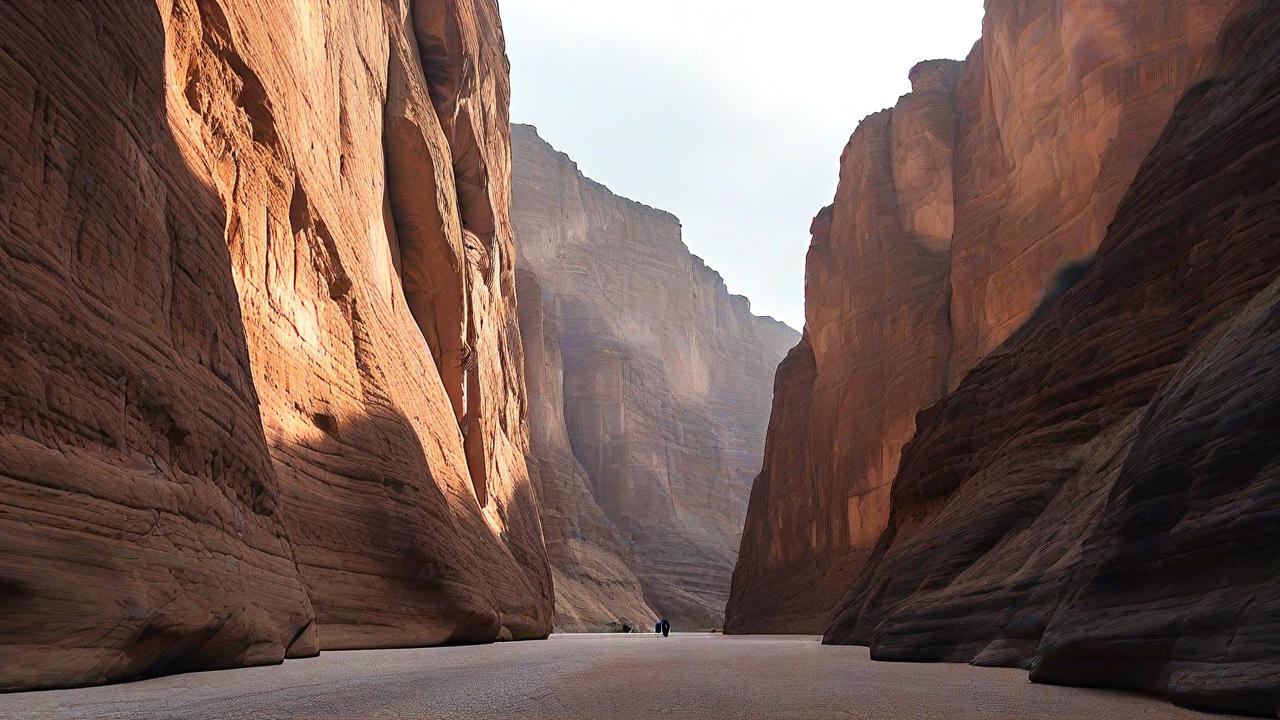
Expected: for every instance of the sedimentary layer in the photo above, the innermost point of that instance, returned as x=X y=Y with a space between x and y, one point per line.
x=1097 y=499
x=260 y=373
x=955 y=211
x=649 y=393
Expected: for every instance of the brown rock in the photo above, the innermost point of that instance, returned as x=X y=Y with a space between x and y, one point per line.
x=1096 y=500
x=1060 y=103
x=261 y=377
x=649 y=385
x=874 y=351
x=954 y=211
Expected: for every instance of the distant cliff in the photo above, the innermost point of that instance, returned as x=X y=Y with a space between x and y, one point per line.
x=955 y=211
x=260 y=374
x=649 y=394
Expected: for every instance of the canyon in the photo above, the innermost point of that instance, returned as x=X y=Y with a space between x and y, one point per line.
x=261 y=380
x=304 y=346
x=955 y=210
x=264 y=388
x=649 y=387
x=1088 y=490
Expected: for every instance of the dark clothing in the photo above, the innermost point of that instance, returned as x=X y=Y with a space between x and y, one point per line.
x=666 y=627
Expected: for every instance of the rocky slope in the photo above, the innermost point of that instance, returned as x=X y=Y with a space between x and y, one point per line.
x=649 y=388
x=954 y=212
x=260 y=373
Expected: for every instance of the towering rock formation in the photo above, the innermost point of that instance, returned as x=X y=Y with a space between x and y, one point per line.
x=1097 y=500
x=954 y=212
x=260 y=374
x=649 y=388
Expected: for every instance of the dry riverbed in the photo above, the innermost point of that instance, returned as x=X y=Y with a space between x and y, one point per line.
x=598 y=677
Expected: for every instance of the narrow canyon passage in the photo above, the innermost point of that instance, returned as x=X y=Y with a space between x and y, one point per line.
x=324 y=378
x=602 y=677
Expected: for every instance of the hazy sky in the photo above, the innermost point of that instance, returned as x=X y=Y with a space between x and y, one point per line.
x=729 y=113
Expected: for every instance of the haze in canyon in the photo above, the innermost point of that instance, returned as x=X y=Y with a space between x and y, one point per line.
x=709 y=107
x=305 y=347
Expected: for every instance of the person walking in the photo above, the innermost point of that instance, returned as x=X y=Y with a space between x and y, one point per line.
x=666 y=627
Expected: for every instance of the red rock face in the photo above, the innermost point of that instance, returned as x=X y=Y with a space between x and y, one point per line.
x=262 y=387
x=875 y=291
x=649 y=388
x=954 y=212
x=1060 y=103
x=1096 y=500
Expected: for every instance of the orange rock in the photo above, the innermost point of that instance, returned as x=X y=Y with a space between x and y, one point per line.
x=261 y=364
x=955 y=210
x=649 y=387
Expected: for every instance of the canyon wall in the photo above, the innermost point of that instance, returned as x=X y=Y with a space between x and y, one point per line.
x=1097 y=500
x=955 y=211
x=261 y=383
x=649 y=392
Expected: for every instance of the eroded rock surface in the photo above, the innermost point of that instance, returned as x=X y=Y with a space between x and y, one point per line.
x=955 y=210
x=260 y=372
x=1097 y=499
x=649 y=391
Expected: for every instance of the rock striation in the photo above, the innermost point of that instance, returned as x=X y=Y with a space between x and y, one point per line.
x=955 y=211
x=649 y=392
x=261 y=383
x=1097 y=499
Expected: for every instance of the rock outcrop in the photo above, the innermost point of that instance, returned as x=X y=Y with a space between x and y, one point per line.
x=649 y=393
x=954 y=212
x=260 y=372
x=1097 y=499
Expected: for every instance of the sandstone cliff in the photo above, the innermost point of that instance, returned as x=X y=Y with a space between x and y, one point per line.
x=954 y=212
x=1097 y=499
x=649 y=393
x=260 y=371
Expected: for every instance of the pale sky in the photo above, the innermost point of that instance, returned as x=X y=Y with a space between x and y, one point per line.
x=731 y=114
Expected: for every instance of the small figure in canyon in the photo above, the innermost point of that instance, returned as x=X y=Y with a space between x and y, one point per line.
x=666 y=627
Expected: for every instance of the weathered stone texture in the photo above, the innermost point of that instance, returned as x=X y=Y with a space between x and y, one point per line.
x=1096 y=501
x=261 y=388
x=649 y=386
x=955 y=210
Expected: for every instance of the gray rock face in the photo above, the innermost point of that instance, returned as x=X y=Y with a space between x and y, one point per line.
x=649 y=389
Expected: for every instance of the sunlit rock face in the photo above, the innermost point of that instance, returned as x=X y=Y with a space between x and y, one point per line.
x=261 y=369
x=649 y=392
x=1097 y=499
x=954 y=212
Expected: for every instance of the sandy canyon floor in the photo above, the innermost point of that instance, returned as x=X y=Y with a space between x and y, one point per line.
x=597 y=676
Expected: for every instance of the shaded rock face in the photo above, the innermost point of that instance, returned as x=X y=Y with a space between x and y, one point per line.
x=649 y=388
x=954 y=212
x=1097 y=499
x=260 y=370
